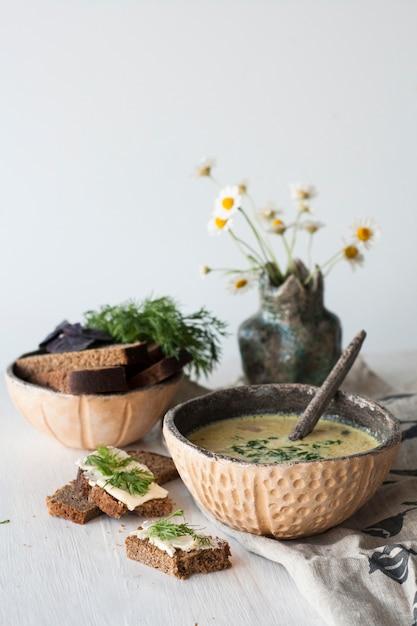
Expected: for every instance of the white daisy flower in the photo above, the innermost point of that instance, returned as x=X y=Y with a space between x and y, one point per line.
x=277 y=226
x=218 y=224
x=204 y=270
x=241 y=283
x=311 y=226
x=303 y=207
x=243 y=187
x=204 y=167
x=353 y=255
x=366 y=231
x=269 y=211
x=228 y=201
x=301 y=191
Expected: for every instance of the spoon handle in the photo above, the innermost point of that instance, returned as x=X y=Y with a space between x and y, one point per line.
x=311 y=414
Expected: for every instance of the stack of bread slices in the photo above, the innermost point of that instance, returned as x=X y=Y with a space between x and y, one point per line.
x=110 y=369
x=78 y=502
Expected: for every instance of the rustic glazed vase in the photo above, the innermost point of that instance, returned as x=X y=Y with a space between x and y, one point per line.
x=293 y=338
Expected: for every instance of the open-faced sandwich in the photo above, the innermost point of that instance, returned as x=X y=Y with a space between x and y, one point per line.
x=115 y=482
x=177 y=548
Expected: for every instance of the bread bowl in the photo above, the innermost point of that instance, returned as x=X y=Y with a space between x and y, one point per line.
x=85 y=421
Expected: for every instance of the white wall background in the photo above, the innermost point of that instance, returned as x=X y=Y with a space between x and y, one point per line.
x=106 y=106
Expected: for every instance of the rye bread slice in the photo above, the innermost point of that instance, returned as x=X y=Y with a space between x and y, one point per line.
x=110 y=379
x=29 y=367
x=182 y=564
x=158 y=507
x=159 y=371
x=68 y=503
x=161 y=466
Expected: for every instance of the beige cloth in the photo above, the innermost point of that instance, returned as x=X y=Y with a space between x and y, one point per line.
x=365 y=570
x=361 y=379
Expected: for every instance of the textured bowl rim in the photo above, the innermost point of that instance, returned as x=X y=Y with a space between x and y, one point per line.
x=11 y=374
x=393 y=440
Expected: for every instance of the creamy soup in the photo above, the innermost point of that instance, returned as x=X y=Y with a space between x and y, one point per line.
x=264 y=439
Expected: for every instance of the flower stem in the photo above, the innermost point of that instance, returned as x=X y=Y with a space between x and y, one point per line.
x=294 y=235
x=242 y=245
x=330 y=263
x=267 y=253
x=213 y=180
x=333 y=259
x=309 y=252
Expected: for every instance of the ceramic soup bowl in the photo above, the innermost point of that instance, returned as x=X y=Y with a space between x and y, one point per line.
x=285 y=499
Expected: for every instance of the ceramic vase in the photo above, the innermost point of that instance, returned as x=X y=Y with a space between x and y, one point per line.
x=293 y=338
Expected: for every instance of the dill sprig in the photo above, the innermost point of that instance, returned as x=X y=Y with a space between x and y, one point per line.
x=160 y=321
x=258 y=450
x=165 y=530
x=135 y=481
x=106 y=461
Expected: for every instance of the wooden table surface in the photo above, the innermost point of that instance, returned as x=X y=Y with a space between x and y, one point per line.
x=56 y=572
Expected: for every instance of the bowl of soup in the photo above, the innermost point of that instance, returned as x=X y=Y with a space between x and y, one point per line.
x=233 y=453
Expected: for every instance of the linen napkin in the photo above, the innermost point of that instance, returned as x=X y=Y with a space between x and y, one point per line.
x=365 y=570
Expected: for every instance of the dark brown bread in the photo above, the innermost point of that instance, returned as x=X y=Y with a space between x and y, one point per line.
x=159 y=371
x=68 y=503
x=95 y=380
x=82 y=484
x=161 y=466
x=183 y=564
x=29 y=367
x=110 y=369
x=155 y=353
x=157 y=507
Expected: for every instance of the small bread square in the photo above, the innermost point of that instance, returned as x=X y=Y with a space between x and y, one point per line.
x=68 y=503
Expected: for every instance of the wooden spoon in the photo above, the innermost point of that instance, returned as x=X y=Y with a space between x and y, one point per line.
x=312 y=413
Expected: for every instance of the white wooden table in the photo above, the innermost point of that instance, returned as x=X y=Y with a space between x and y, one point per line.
x=55 y=572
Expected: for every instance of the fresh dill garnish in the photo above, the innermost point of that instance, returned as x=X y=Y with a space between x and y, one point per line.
x=258 y=451
x=135 y=481
x=106 y=461
x=160 y=321
x=165 y=530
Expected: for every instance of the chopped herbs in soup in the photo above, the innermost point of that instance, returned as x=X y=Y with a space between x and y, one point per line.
x=264 y=439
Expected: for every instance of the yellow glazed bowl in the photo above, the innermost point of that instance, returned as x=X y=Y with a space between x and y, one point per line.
x=283 y=500
x=88 y=420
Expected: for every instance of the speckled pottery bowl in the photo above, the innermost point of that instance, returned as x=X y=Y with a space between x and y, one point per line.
x=283 y=500
x=87 y=420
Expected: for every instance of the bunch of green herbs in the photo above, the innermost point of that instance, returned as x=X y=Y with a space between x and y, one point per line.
x=160 y=321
